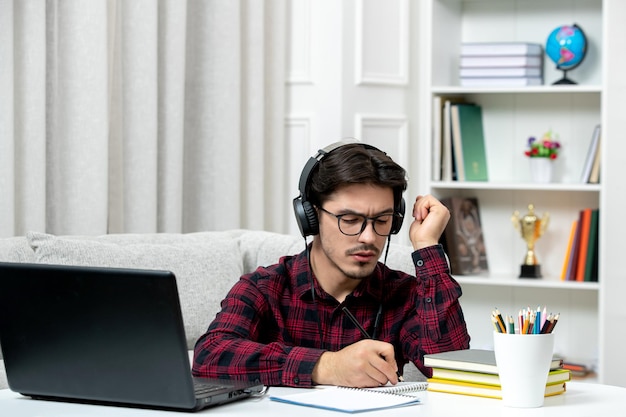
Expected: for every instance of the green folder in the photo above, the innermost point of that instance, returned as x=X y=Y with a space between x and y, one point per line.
x=473 y=142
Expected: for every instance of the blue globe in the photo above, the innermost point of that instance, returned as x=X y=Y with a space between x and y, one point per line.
x=566 y=46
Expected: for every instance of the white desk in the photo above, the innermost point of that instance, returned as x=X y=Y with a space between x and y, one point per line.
x=581 y=399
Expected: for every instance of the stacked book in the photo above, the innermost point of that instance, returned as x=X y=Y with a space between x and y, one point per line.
x=474 y=372
x=510 y=64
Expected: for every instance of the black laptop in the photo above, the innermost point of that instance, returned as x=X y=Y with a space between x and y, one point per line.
x=101 y=335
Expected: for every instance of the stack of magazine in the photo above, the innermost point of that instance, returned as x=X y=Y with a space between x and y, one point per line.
x=474 y=372
x=504 y=64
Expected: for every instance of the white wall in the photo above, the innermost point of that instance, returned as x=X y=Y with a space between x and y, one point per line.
x=350 y=75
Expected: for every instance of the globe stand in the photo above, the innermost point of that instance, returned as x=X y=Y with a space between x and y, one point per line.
x=564 y=80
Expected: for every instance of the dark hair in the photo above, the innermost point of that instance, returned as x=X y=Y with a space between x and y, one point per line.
x=355 y=164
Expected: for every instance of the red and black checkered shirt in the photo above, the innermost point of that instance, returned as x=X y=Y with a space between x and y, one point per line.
x=267 y=329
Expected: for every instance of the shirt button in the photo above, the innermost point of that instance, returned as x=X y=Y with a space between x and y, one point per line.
x=296 y=380
x=420 y=263
x=428 y=299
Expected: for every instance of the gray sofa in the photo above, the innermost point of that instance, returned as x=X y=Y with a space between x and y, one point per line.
x=206 y=264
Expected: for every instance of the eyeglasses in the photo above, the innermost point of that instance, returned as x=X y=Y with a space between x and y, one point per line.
x=351 y=224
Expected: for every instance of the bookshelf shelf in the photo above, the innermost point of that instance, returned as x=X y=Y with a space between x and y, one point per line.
x=545 y=89
x=552 y=284
x=467 y=185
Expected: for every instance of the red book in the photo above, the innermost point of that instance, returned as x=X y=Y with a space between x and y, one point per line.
x=585 y=219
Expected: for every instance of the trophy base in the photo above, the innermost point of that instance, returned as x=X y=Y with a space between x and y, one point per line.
x=530 y=271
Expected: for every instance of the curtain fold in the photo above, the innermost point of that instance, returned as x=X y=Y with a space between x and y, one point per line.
x=171 y=113
x=8 y=220
x=141 y=116
x=263 y=49
x=212 y=116
x=77 y=118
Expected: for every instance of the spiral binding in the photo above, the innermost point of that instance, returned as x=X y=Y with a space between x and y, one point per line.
x=401 y=389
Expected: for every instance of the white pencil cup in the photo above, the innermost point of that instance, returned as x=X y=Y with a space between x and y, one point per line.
x=523 y=362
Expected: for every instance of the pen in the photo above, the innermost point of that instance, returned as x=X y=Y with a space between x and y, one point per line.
x=364 y=332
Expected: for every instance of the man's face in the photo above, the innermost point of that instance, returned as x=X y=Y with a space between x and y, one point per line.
x=354 y=256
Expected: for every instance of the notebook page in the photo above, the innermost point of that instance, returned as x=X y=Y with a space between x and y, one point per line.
x=349 y=400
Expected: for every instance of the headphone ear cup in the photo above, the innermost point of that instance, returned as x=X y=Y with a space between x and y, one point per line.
x=306 y=217
x=398 y=220
x=312 y=220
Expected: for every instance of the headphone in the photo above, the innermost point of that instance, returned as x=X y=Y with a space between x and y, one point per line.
x=306 y=215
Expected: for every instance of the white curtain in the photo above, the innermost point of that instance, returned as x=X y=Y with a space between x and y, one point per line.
x=142 y=116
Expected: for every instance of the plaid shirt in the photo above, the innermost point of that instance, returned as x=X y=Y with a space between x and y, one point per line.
x=268 y=328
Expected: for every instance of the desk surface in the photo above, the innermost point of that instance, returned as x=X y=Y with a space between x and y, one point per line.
x=581 y=399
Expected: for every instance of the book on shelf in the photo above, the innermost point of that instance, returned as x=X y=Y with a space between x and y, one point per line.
x=581 y=255
x=501 y=72
x=353 y=400
x=501 y=48
x=482 y=390
x=468 y=136
x=554 y=376
x=591 y=155
x=446 y=159
x=585 y=224
x=568 y=251
x=472 y=360
x=437 y=137
x=572 y=260
x=594 y=175
x=445 y=140
x=457 y=147
x=503 y=61
x=591 y=263
x=501 y=81
x=463 y=238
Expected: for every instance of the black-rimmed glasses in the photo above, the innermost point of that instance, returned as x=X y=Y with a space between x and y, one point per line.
x=352 y=224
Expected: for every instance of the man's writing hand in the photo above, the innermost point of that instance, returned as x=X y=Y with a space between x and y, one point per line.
x=367 y=363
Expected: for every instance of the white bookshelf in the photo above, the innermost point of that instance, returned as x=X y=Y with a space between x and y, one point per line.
x=510 y=116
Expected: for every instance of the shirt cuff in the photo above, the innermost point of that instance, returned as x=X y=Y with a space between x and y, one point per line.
x=299 y=366
x=430 y=260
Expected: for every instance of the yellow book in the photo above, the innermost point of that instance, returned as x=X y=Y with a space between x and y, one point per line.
x=568 y=252
x=481 y=390
x=554 y=377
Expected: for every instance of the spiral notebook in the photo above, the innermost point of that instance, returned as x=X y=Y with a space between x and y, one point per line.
x=355 y=400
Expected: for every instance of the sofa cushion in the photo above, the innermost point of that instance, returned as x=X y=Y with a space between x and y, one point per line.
x=15 y=249
x=261 y=248
x=206 y=264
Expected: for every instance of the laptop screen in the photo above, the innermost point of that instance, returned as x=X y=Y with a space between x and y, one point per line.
x=94 y=334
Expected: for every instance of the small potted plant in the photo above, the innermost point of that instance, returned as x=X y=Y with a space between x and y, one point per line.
x=542 y=153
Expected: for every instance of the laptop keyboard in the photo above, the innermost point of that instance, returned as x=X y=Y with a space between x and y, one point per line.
x=203 y=388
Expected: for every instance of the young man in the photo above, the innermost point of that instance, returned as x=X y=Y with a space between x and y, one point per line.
x=334 y=314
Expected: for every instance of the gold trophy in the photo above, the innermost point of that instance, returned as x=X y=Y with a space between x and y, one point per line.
x=531 y=228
